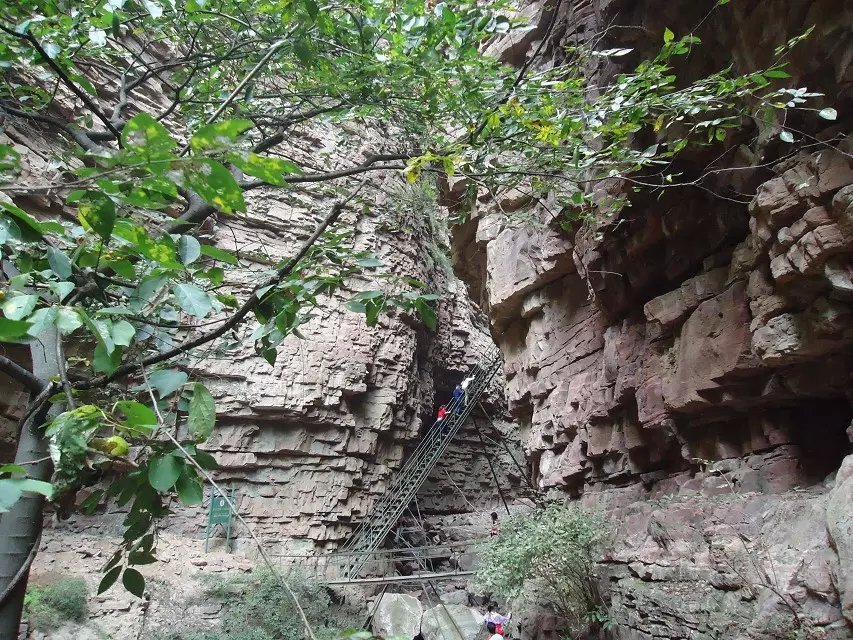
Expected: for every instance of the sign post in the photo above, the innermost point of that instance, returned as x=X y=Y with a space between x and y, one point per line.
x=219 y=513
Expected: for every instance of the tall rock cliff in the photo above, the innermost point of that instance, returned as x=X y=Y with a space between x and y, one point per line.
x=309 y=443
x=687 y=364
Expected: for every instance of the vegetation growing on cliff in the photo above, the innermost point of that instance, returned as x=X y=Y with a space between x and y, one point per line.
x=175 y=111
x=547 y=558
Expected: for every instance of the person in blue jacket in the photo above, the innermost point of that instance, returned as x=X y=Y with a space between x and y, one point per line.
x=459 y=398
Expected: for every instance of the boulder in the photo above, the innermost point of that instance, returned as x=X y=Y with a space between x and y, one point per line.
x=460 y=596
x=839 y=524
x=75 y=632
x=397 y=615
x=446 y=622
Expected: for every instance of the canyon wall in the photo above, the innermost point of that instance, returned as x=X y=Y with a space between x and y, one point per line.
x=310 y=442
x=687 y=364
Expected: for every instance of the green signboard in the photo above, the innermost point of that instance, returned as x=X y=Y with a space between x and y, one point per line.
x=219 y=512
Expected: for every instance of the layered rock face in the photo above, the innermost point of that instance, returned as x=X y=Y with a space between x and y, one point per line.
x=309 y=443
x=688 y=364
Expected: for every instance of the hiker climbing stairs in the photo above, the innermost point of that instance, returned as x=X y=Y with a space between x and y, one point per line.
x=387 y=510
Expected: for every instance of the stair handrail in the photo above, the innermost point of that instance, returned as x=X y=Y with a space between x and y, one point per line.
x=411 y=476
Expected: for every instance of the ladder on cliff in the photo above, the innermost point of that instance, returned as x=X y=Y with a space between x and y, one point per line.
x=406 y=482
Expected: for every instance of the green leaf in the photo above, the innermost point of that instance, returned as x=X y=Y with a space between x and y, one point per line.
x=303 y=52
x=98 y=214
x=270 y=170
x=189 y=490
x=668 y=36
x=10 y=493
x=215 y=185
x=427 y=314
x=124 y=268
x=9 y=158
x=164 y=471
x=62 y=289
x=370 y=262
x=205 y=460
x=12 y=488
x=31 y=229
x=67 y=320
x=189 y=249
x=216 y=275
x=20 y=306
x=140 y=557
x=369 y=295
x=122 y=332
x=91 y=503
x=137 y=415
x=192 y=300
x=144 y=135
x=133 y=581
x=162 y=249
x=109 y=579
x=166 y=381
x=35 y=486
x=218 y=254
x=104 y=361
x=355 y=305
x=42 y=320
x=828 y=114
x=12 y=468
x=312 y=8
x=59 y=263
x=776 y=73
x=786 y=136
x=228 y=300
x=13 y=330
x=219 y=134
x=202 y=413
x=372 y=313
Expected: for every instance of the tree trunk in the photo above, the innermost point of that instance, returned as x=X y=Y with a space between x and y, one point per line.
x=21 y=525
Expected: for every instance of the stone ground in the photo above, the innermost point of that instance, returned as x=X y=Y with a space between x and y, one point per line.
x=175 y=599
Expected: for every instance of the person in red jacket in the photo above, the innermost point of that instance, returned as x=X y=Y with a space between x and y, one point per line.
x=442 y=413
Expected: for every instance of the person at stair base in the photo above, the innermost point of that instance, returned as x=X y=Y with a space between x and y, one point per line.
x=495 y=621
x=442 y=413
x=495 y=527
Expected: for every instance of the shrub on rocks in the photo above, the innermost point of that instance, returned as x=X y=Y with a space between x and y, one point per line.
x=548 y=558
x=50 y=606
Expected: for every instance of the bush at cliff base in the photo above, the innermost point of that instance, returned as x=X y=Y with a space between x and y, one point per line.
x=547 y=558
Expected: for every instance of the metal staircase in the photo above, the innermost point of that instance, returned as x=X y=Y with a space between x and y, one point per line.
x=405 y=484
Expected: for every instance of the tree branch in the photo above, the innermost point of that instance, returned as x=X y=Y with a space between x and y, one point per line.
x=524 y=69
x=85 y=139
x=64 y=77
x=367 y=165
x=18 y=373
x=257 y=293
x=197 y=209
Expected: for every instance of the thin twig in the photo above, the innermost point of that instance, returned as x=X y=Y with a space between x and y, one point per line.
x=63 y=374
x=230 y=504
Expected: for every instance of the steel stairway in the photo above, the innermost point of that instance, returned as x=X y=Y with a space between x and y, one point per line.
x=405 y=484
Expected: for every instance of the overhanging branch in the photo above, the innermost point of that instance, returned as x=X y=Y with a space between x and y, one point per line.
x=244 y=310
x=77 y=91
x=19 y=374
